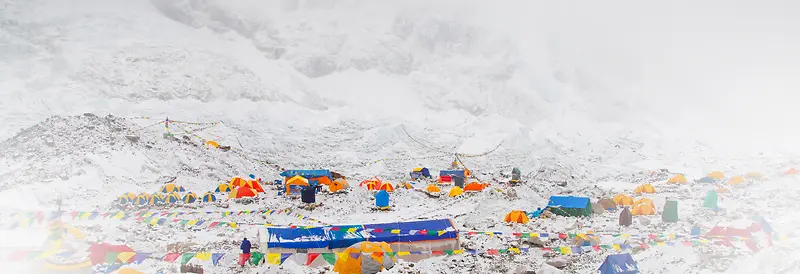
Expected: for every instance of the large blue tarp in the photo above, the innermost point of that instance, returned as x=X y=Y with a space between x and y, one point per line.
x=346 y=235
x=459 y=173
x=412 y=231
x=568 y=202
x=307 y=173
x=619 y=264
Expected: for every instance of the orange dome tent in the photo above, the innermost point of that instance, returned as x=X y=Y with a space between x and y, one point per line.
x=735 y=180
x=255 y=185
x=237 y=182
x=643 y=206
x=623 y=200
x=242 y=192
x=677 y=179
x=792 y=171
x=432 y=188
x=338 y=185
x=645 y=188
x=297 y=181
x=212 y=144
x=717 y=175
x=516 y=216
x=405 y=185
x=365 y=257
x=386 y=186
x=372 y=184
x=474 y=186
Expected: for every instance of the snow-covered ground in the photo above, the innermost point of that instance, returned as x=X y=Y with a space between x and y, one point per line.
x=570 y=92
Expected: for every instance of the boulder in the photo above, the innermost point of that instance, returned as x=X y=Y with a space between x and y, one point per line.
x=548 y=269
x=558 y=262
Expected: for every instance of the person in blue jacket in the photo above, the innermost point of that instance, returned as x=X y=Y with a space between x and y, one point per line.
x=245 y=247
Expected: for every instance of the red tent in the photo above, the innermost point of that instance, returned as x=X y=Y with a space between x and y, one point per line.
x=98 y=252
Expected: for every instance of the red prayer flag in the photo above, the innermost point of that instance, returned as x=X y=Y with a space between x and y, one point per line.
x=311 y=258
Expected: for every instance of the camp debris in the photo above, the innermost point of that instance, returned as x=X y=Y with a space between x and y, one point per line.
x=516 y=175
x=516 y=216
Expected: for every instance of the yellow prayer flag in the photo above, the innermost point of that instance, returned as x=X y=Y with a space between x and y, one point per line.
x=86 y=215
x=671 y=236
x=458 y=251
x=147 y=214
x=615 y=247
x=119 y=215
x=581 y=235
x=441 y=232
x=125 y=256
x=489 y=233
x=154 y=221
x=233 y=225
x=514 y=249
x=625 y=236
x=48 y=253
x=566 y=250
x=274 y=258
x=351 y=230
x=206 y=256
x=395 y=231
x=403 y=253
x=534 y=235
x=661 y=243
x=191 y=222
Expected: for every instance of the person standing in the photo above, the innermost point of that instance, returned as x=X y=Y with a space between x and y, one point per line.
x=245 y=256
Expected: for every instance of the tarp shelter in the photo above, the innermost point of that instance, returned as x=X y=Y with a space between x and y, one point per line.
x=474 y=186
x=365 y=258
x=420 y=172
x=598 y=209
x=570 y=206
x=742 y=229
x=670 y=213
x=432 y=188
x=643 y=206
x=445 y=179
x=455 y=191
x=625 y=217
x=645 y=188
x=209 y=197
x=295 y=184
x=735 y=180
x=711 y=200
x=382 y=199
x=677 y=179
x=706 y=179
x=308 y=195
x=168 y=188
x=623 y=200
x=307 y=173
x=223 y=188
x=516 y=216
x=405 y=185
x=338 y=185
x=237 y=182
x=717 y=175
x=619 y=264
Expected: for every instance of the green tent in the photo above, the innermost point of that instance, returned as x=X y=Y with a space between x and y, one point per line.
x=711 y=200
x=515 y=174
x=670 y=213
x=570 y=206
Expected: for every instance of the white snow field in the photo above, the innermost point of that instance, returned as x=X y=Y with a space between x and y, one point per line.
x=594 y=94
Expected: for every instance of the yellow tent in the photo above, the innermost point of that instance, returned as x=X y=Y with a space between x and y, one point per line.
x=754 y=175
x=645 y=188
x=212 y=144
x=623 y=200
x=735 y=180
x=237 y=182
x=297 y=180
x=352 y=260
x=717 y=175
x=432 y=188
x=677 y=179
x=456 y=191
x=516 y=216
x=643 y=206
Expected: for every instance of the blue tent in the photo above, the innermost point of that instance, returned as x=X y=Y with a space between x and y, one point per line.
x=459 y=173
x=706 y=180
x=308 y=174
x=619 y=264
x=570 y=206
x=420 y=173
x=382 y=199
x=411 y=231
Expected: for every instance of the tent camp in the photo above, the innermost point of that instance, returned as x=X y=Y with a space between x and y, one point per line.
x=307 y=173
x=420 y=172
x=677 y=179
x=570 y=206
x=619 y=264
x=401 y=236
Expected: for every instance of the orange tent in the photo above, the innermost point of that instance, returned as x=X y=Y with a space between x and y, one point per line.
x=432 y=188
x=405 y=185
x=243 y=191
x=645 y=188
x=324 y=180
x=677 y=179
x=791 y=171
x=717 y=175
x=297 y=180
x=254 y=185
x=372 y=184
x=387 y=186
x=643 y=206
x=337 y=185
x=623 y=200
x=237 y=182
x=735 y=180
x=516 y=216
x=474 y=186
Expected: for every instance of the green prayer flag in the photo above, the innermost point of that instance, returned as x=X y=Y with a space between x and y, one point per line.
x=502 y=251
x=183 y=222
x=111 y=257
x=390 y=254
x=526 y=235
x=432 y=232
x=448 y=252
x=329 y=257
x=256 y=258
x=34 y=254
x=186 y=257
x=572 y=235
